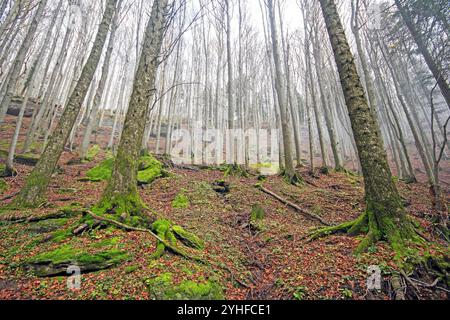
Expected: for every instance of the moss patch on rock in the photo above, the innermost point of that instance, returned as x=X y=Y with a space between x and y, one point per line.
x=102 y=171
x=150 y=169
x=56 y=262
x=163 y=287
x=188 y=238
x=46 y=226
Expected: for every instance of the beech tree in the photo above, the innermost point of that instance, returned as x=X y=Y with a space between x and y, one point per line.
x=385 y=216
x=33 y=193
x=121 y=195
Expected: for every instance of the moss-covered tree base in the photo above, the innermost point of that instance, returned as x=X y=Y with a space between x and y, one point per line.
x=397 y=233
x=128 y=209
x=294 y=179
x=234 y=170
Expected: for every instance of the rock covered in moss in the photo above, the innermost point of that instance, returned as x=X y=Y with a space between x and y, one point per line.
x=149 y=170
x=171 y=233
x=188 y=238
x=164 y=288
x=102 y=171
x=46 y=226
x=56 y=262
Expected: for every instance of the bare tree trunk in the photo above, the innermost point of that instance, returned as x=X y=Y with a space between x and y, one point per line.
x=101 y=85
x=121 y=192
x=20 y=58
x=33 y=193
x=385 y=216
x=432 y=65
x=282 y=102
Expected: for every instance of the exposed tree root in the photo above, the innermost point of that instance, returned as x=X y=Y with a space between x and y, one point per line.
x=163 y=244
x=167 y=244
x=304 y=212
x=375 y=231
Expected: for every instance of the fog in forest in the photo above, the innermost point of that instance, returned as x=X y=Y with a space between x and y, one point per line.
x=224 y=149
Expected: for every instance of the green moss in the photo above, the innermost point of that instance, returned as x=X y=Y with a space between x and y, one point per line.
x=149 y=169
x=48 y=225
x=115 y=206
x=92 y=152
x=68 y=254
x=163 y=288
x=101 y=172
x=169 y=232
x=106 y=243
x=257 y=216
x=258 y=213
x=187 y=238
x=61 y=235
x=181 y=201
x=3 y=185
x=131 y=269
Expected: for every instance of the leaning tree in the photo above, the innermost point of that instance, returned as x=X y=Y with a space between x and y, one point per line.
x=385 y=216
x=33 y=193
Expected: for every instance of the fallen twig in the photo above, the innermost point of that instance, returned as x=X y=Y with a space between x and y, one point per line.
x=294 y=206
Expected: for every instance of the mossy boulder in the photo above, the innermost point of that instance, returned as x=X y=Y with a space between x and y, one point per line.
x=102 y=171
x=56 y=262
x=46 y=226
x=164 y=288
x=149 y=170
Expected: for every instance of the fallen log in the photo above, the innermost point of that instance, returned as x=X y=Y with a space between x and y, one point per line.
x=294 y=206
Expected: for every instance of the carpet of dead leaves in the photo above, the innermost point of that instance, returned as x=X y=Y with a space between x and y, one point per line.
x=275 y=262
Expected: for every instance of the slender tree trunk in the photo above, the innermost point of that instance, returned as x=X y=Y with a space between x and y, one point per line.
x=33 y=193
x=385 y=216
x=101 y=85
x=20 y=59
x=121 y=192
x=432 y=65
x=282 y=102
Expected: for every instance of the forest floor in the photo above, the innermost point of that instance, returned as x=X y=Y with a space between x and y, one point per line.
x=273 y=261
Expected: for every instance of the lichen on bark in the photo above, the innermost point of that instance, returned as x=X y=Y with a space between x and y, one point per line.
x=121 y=194
x=385 y=217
